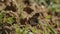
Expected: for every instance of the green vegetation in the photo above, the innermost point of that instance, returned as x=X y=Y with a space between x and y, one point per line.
x=14 y=19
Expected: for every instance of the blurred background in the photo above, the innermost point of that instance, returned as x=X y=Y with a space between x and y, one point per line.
x=29 y=16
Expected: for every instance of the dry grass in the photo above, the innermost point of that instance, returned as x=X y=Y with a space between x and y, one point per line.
x=29 y=17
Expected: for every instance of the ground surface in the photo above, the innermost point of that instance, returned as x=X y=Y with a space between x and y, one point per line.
x=29 y=17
